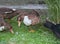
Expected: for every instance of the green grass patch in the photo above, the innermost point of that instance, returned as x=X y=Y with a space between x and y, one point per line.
x=22 y=35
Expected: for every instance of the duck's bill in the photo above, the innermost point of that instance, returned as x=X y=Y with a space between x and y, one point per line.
x=19 y=23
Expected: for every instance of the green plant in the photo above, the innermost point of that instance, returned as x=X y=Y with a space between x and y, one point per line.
x=54 y=10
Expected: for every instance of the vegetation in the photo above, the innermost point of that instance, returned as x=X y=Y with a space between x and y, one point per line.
x=22 y=35
x=42 y=35
x=54 y=10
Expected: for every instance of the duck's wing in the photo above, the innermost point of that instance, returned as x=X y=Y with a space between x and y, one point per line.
x=6 y=10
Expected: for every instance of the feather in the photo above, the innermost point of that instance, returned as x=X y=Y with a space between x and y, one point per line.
x=2 y=28
x=27 y=21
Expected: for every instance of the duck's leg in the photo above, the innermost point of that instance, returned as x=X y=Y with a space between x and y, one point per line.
x=31 y=29
x=11 y=30
x=19 y=23
x=7 y=25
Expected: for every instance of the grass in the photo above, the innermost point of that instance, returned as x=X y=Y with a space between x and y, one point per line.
x=22 y=35
x=54 y=10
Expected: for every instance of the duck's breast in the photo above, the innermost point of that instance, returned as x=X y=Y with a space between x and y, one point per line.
x=27 y=21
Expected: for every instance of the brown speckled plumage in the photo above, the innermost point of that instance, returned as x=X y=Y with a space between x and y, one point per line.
x=33 y=15
x=8 y=15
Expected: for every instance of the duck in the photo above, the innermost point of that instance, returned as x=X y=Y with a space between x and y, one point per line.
x=8 y=13
x=54 y=27
x=28 y=18
x=5 y=25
